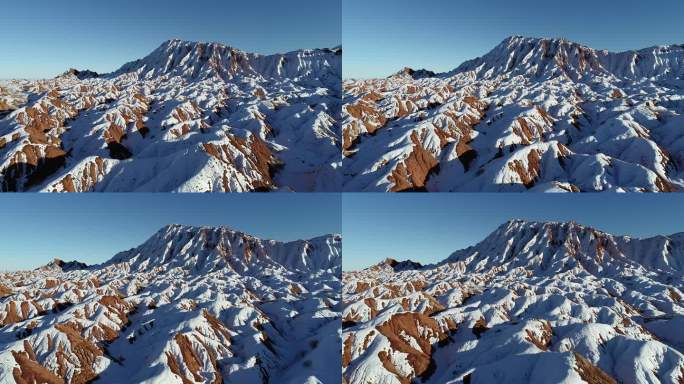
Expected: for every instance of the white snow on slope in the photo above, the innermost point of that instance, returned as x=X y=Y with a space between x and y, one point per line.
x=531 y=115
x=190 y=305
x=188 y=117
x=533 y=302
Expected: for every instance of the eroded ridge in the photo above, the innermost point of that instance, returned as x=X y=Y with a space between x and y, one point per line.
x=200 y=117
x=531 y=115
x=548 y=302
x=190 y=305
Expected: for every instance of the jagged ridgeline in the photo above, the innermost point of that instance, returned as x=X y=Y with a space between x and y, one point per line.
x=532 y=302
x=188 y=117
x=531 y=115
x=190 y=305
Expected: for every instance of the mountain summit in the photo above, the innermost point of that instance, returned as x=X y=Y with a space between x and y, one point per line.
x=201 y=60
x=207 y=249
x=540 y=58
x=555 y=247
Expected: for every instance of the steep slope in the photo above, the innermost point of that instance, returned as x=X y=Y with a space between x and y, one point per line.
x=188 y=117
x=531 y=303
x=190 y=305
x=530 y=115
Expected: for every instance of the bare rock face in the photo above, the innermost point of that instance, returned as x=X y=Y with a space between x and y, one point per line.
x=190 y=116
x=534 y=301
x=190 y=305
x=531 y=115
x=81 y=75
x=65 y=265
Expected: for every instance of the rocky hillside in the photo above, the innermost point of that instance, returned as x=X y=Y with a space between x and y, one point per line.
x=188 y=117
x=190 y=305
x=531 y=115
x=533 y=302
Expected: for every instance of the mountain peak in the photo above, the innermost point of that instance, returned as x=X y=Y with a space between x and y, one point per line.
x=514 y=225
x=549 y=58
x=204 y=249
x=192 y=59
x=555 y=246
x=190 y=44
x=203 y=60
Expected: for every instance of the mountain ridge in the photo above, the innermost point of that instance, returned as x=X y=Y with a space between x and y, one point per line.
x=197 y=59
x=514 y=43
x=172 y=242
x=168 y=44
x=518 y=225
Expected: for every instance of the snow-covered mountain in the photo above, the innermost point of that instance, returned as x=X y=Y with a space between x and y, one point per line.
x=552 y=302
x=190 y=305
x=188 y=117
x=531 y=115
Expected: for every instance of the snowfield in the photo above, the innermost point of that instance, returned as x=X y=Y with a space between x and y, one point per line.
x=189 y=117
x=532 y=303
x=542 y=115
x=190 y=305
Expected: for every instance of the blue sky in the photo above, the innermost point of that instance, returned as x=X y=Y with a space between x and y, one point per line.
x=93 y=227
x=382 y=36
x=43 y=38
x=429 y=227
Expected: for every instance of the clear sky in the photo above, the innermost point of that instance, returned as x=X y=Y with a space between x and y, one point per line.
x=429 y=227
x=91 y=228
x=382 y=36
x=43 y=38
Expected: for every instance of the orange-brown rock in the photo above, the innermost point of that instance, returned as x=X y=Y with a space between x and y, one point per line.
x=5 y=291
x=412 y=173
x=544 y=340
x=591 y=373
x=530 y=173
x=217 y=326
x=254 y=150
x=408 y=324
x=347 y=350
x=190 y=358
x=175 y=368
x=12 y=315
x=480 y=327
x=30 y=371
x=86 y=352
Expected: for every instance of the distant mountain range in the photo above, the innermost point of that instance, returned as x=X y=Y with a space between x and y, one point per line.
x=531 y=115
x=532 y=302
x=190 y=305
x=189 y=116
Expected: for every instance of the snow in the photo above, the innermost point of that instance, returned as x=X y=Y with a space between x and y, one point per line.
x=166 y=107
x=600 y=121
x=553 y=296
x=226 y=292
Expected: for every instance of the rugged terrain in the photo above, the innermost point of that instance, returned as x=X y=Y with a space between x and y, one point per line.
x=532 y=303
x=190 y=305
x=189 y=117
x=531 y=115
